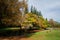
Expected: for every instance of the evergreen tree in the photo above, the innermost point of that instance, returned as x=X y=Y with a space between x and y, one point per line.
x=34 y=11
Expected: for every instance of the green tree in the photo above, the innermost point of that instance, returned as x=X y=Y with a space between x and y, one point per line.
x=34 y=11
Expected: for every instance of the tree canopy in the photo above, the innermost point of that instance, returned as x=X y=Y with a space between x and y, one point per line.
x=11 y=12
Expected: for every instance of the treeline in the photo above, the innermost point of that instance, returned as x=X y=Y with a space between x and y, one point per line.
x=14 y=13
x=54 y=24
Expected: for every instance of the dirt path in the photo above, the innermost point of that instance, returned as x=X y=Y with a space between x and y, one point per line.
x=15 y=38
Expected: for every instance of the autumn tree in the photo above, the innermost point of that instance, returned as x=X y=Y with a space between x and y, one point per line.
x=52 y=22
x=43 y=23
x=31 y=20
x=10 y=13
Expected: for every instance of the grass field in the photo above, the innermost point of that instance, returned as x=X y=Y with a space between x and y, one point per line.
x=46 y=35
x=41 y=35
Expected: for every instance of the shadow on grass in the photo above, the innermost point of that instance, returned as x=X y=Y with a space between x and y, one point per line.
x=20 y=33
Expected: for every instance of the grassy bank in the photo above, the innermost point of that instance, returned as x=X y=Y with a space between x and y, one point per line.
x=47 y=35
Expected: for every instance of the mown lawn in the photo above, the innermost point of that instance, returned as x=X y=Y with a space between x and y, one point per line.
x=46 y=35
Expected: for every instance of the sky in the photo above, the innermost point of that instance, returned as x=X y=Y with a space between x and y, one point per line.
x=49 y=8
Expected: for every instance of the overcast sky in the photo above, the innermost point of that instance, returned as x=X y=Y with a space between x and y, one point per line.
x=49 y=8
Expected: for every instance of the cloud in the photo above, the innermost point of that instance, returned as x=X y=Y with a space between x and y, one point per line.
x=49 y=8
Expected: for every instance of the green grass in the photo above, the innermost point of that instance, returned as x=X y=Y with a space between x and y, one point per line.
x=47 y=35
x=16 y=28
x=42 y=35
x=9 y=29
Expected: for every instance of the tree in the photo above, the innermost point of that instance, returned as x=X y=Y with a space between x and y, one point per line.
x=29 y=20
x=34 y=11
x=52 y=22
x=10 y=13
x=43 y=23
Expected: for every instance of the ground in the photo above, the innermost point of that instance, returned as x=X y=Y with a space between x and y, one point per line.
x=41 y=35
